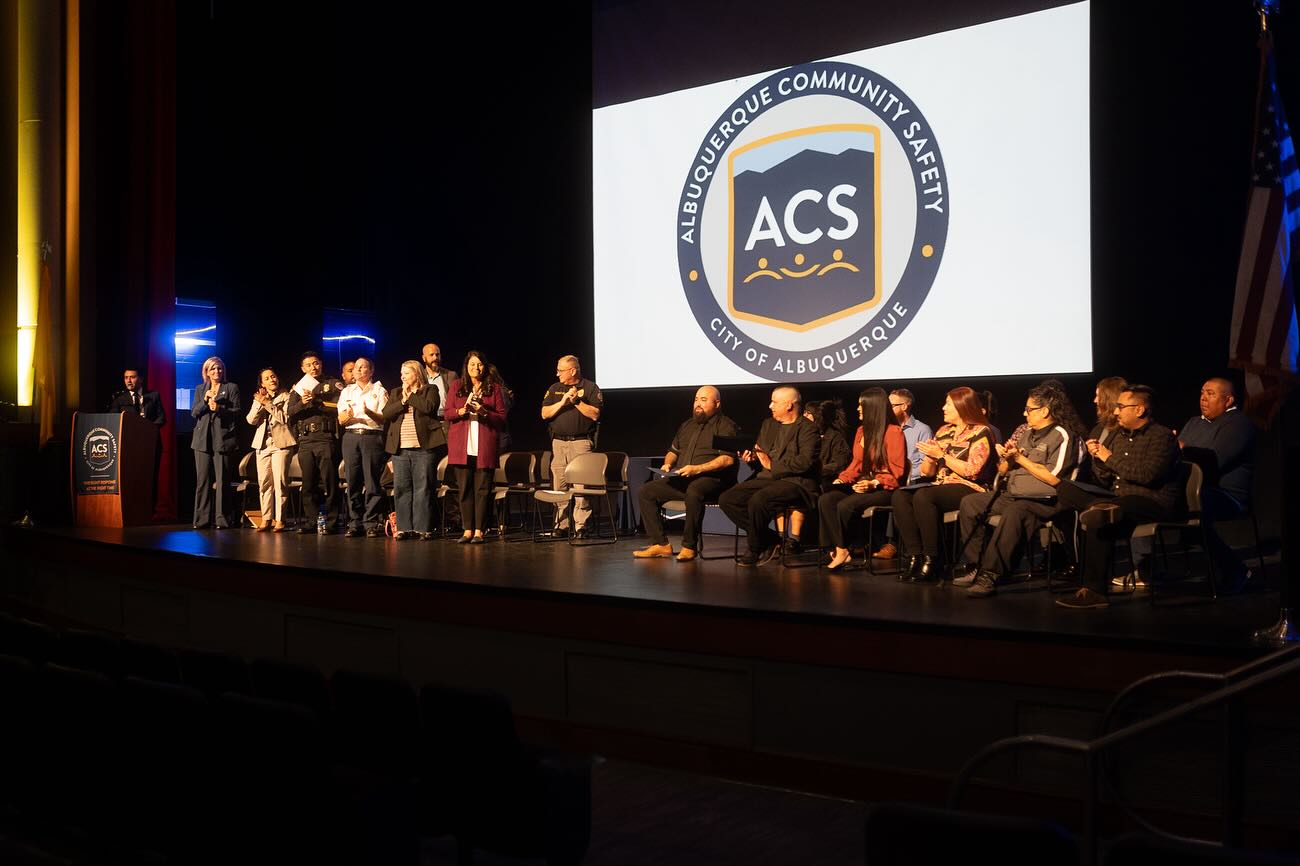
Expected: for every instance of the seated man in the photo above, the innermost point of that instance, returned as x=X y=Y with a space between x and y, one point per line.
x=1221 y=440
x=1139 y=466
x=702 y=472
x=786 y=456
x=1043 y=455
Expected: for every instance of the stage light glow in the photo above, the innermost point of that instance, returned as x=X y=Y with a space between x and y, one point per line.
x=370 y=340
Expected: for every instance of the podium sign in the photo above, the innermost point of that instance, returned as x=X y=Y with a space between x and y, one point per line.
x=95 y=456
x=112 y=473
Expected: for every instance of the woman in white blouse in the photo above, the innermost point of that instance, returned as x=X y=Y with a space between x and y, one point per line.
x=273 y=443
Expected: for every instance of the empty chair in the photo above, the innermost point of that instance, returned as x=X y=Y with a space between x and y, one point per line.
x=214 y=673
x=497 y=794
x=293 y=683
x=35 y=641
x=900 y=833
x=281 y=806
x=90 y=651
x=585 y=476
x=149 y=661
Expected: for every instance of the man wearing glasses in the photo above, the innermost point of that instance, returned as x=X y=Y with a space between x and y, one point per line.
x=1139 y=468
x=571 y=409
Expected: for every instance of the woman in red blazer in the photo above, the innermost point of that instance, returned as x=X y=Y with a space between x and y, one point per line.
x=477 y=415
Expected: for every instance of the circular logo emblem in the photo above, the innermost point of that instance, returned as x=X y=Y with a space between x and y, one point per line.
x=812 y=222
x=99 y=449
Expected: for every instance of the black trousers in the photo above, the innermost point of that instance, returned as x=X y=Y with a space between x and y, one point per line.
x=213 y=468
x=841 y=510
x=363 y=458
x=319 y=462
x=918 y=515
x=752 y=504
x=1098 y=542
x=474 y=489
x=696 y=492
x=1019 y=520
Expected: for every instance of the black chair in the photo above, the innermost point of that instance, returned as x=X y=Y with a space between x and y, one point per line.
x=900 y=834
x=215 y=673
x=149 y=661
x=282 y=806
x=292 y=683
x=498 y=794
x=1144 y=849
x=79 y=767
x=90 y=651
x=34 y=641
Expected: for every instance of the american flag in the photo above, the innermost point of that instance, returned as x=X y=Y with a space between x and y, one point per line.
x=1264 y=337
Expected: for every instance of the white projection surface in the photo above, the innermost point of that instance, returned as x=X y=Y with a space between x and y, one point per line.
x=914 y=210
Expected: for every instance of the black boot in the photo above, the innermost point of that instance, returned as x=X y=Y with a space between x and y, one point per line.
x=907 y=567
x=927 y=571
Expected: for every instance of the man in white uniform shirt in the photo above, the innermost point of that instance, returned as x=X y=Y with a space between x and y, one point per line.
x=361 y=407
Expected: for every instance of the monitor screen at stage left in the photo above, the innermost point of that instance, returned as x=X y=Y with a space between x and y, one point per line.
x=913 y=210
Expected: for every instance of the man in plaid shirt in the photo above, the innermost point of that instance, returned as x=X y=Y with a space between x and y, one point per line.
x=1139 y=467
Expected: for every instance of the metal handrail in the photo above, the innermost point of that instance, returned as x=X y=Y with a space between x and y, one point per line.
x=1091 y=750
x=1232 y=778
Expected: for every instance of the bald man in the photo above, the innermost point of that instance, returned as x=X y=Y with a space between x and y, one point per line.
x=700 y=473
x=786 y=458
x=1221 y=440
x=435 y=374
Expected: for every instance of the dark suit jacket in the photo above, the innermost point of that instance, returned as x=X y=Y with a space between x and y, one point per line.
x=153 y=409
x=798 y=461
x=220 y=423
x=428 y=429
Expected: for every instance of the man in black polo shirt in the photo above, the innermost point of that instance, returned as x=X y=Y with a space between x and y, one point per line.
x=700 y=473
x=1139 y=465
x=313 y=417
x=571 y=409
x=787 y=457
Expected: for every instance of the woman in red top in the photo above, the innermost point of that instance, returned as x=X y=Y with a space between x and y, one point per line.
x=957 y=458
x=879 y=466
x=477 y=415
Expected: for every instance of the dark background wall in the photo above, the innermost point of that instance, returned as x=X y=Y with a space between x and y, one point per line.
x=378 y=156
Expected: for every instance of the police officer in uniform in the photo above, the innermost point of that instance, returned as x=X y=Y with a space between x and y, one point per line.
x=313 y=417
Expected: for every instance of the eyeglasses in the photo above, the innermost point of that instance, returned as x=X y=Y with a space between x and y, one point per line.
x=1029 y=409
x=1128 y=405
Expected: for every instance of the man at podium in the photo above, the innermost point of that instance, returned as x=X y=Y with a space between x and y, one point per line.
x=136 y=400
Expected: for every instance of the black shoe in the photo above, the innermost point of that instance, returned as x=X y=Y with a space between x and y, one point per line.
x=306 y=530
x=792 y=547
x=927 y=571
x=478 y=539
x=374 y=532
x=464 y=539
x=907 y=567
x=747 y=560
x=352 y=532
x=773 y=552
x=580 y=534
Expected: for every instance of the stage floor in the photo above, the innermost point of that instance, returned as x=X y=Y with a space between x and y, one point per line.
x=609 y=575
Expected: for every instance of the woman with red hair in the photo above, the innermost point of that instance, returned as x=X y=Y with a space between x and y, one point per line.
x=957 y=459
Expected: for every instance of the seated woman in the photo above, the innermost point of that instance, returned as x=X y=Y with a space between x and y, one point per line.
x=417 y=443
x=878 y=467
x=835 y=455
x=477 y=411
x=957 y=458
x=273 y=443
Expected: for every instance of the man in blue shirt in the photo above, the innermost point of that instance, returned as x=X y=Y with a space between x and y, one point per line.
x=914 y=430
x=1221 y=440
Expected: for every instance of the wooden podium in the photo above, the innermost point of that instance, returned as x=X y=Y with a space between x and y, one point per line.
x=112 y=470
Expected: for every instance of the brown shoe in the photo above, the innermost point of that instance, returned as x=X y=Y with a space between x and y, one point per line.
x=687 y=555
x=278 y=526
x=654 y=551
x=888 y=551
x=264 y=527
